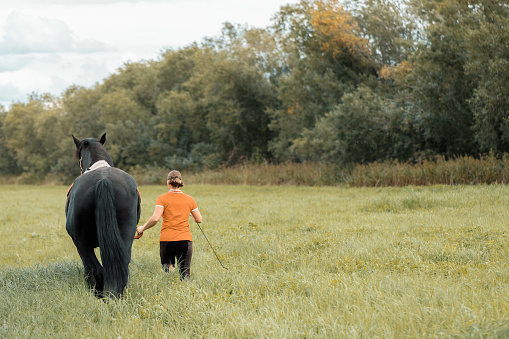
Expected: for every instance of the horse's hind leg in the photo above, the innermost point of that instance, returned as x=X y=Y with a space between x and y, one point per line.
x=93 y=271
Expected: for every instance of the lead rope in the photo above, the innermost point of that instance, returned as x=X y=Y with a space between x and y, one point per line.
x=211 y=246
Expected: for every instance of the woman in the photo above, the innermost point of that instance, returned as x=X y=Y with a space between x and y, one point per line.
x=175 y=239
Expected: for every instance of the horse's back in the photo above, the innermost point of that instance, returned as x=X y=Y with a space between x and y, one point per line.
x=83 y=201
x=124 y=185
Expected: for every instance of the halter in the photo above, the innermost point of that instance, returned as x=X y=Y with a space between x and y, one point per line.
x=95 y=165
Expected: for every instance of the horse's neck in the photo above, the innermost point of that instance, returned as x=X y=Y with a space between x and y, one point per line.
x=101 y=155
x=97 y=160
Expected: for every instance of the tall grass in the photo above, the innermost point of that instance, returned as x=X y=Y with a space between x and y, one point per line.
x=307 y=174
x=464 y=170
x=314 y=262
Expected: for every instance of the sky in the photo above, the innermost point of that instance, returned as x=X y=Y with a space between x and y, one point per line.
x=48 y=45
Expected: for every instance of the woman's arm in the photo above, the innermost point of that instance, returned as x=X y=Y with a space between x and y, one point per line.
x=197 y=216
x=152 y=221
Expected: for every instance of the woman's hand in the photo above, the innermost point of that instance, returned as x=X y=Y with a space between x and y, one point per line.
x=158 y=213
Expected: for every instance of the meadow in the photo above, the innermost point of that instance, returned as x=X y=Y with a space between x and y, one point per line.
x=303 y=262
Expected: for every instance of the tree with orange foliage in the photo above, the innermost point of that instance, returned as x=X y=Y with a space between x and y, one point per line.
x=337 y=29
x=338 y=33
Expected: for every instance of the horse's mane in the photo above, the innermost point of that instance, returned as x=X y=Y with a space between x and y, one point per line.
x=101 y=153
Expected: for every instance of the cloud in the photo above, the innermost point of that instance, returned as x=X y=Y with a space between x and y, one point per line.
x=53 y=73
x=84 y=2
x=10 y=93
x=48 y=45
x=13 y=62
x=25 y=34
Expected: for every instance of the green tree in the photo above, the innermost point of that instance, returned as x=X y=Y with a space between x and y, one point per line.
x=214 y=107
x=126 y=110
x=179 y=123
x=139 y=79
x=82 y=112
x=126 y=121
x=388 y=27
x=8 y=164
x=325 y=59
x=455 y=74
x=232 y=97
x=176 y=68
x=34 y=134
x=365 y=127
x=180 y=126
x=488 y=65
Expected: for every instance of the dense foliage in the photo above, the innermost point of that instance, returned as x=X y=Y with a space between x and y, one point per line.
x=342 y=83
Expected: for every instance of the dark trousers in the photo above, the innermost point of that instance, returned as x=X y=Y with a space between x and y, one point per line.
x=182 y=251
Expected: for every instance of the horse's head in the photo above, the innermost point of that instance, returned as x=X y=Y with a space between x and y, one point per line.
x=91 y=150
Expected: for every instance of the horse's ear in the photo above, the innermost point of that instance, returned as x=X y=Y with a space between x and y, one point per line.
x=103 y=139
x=76 y=141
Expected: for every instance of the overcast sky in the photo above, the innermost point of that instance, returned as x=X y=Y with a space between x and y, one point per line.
x=48 y=45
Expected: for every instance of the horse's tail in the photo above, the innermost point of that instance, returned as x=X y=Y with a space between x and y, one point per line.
x=114 y=256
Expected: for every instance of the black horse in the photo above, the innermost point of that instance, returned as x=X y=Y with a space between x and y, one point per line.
x=102 y=210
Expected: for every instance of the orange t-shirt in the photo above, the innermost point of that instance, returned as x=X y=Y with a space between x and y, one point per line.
x=177 y=207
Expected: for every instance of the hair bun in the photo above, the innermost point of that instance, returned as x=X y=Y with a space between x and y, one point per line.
x=175 y=179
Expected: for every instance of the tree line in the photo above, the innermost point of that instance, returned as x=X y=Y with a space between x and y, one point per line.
x=328 y=81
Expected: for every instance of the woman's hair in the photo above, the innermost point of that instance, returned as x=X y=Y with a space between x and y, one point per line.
x=175 y=179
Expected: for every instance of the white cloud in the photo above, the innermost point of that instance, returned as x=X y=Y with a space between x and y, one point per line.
x=44 y=56
x=25 y=34
x=10 y=93
x=53 y=73
x=84 y=2
x=13 y=62
x=48 y=45
x=26 y=79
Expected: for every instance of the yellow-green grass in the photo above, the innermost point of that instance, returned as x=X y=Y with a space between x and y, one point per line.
x=302 y=262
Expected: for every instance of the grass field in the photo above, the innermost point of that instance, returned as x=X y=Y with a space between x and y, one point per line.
x=303 y=262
